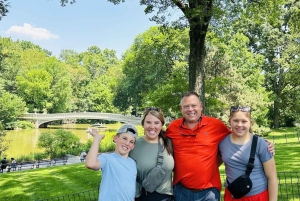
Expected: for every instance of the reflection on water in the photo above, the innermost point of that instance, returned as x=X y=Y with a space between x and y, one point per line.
x=24 y=142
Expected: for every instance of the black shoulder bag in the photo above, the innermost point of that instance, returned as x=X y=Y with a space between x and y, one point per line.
x=243 y=184
x=156 y=175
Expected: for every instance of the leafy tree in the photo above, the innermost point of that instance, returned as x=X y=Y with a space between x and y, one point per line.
x=79 y=78
x=58 y=143
x=234 y=77
x=94 y=92
x=100 y=95
x=276 y=37
x=167 y=96
x=148 y=65
x=3 y=8
x=29 y=45
x=11 y=107
x=61 y=86
x=34 y=88
x=10 y=63
x=195 y=14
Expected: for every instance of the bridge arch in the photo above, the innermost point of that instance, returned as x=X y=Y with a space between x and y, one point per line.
x=40 y=119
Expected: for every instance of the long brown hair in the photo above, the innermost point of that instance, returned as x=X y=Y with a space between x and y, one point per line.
x=162 y=134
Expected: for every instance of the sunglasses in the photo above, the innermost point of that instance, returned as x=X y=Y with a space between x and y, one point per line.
x=130 y=130
x=240 y=108
x=153 y=108
x=183 y=131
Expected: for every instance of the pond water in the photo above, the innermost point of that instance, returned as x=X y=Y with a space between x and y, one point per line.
x=24 y=142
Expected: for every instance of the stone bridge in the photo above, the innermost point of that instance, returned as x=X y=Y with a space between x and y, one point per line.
x=42 y=119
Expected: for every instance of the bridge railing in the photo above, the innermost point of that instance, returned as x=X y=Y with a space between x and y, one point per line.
x=43 y=118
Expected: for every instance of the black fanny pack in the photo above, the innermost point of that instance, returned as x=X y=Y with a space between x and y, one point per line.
x=243 y=184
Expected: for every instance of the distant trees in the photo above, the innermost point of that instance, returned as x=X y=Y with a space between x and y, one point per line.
x=11 y=107
x=31 y=78
x=3 y=8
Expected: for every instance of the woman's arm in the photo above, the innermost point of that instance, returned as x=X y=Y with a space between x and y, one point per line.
x=270 y=171
x=91 y=160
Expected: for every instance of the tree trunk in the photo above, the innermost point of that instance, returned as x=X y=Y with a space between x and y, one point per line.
x=198 y=29
x=276 y=114
x=196 y=64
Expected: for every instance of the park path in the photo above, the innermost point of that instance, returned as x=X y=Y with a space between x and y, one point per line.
x=71 y=160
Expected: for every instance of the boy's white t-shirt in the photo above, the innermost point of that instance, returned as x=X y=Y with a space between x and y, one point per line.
x=118 y=178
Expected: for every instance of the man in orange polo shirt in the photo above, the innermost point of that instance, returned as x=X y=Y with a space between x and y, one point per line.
x=195 y=139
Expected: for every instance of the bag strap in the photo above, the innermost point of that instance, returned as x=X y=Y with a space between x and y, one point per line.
x=160 y=157
x=250 y=164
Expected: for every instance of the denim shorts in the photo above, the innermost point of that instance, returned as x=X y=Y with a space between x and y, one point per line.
x=182 y=193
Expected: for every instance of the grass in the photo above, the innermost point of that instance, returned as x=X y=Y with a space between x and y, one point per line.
x=284 y=135
x=42 y=183
x=37 y=184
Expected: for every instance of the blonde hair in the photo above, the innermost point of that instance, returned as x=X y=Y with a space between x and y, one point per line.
x=248 y=115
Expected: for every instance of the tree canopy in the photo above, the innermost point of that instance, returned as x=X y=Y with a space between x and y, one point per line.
x=233 y=52
x=3 y=8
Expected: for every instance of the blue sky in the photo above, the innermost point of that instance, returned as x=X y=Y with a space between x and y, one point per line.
x=78 y=26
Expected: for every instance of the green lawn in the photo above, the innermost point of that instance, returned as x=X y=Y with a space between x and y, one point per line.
x=42 y=183
x=284 y=135
x=37 y=184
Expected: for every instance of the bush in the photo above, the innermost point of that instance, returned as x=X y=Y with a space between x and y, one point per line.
x=58 y=143
x=24 y=158
x=39 y=156
x=19 y=125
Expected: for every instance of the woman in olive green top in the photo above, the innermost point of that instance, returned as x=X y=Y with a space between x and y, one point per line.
x=145 y=154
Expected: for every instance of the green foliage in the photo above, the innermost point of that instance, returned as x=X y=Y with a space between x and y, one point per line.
x=152 y=63
x=271 y=32
x=3 y=8
x=11 y=107
x=19 y=125
x=40 y=156
x=34 y=87
x=24 y=158
x=167 y=96
x=234 y=78
x=58 y=143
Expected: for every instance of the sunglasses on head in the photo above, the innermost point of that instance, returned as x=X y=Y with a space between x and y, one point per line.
x=240 y=108
x=153 y=108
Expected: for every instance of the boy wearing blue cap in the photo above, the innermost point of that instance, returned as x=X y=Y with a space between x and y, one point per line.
x=118 y=170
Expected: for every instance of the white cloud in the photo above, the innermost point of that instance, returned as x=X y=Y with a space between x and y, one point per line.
x=31 y=32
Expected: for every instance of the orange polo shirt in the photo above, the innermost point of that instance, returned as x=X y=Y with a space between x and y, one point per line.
x=195 y=156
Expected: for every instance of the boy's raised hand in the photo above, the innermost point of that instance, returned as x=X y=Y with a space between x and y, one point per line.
x=95 y=133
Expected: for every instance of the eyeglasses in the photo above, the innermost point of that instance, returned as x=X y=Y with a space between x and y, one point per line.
x=188 y=134
x=131 y=130
x=240 y=108
x=153 y=108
